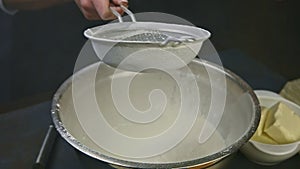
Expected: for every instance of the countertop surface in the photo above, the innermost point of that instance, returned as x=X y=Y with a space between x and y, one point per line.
x=23 y=130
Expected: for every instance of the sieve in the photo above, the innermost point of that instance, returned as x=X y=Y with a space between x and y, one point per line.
x=136 y=45
x=152 y=36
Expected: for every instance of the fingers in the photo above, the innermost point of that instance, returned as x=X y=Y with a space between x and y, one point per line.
x=120 y=2
x=100 y=9
x=103 y=9
x=88 y=10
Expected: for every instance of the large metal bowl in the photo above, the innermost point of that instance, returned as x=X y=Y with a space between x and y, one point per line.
x=238 y=123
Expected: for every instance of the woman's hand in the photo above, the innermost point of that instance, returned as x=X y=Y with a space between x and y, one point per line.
x=100 y=9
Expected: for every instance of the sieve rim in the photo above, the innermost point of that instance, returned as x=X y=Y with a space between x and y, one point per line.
x=163 y=27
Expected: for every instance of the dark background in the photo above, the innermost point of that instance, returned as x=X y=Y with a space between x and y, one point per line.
x=38 y=49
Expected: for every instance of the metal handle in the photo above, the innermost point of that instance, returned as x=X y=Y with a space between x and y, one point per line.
x=46 y=148
x=131 y=15
x=116 y=14
x=126 y=10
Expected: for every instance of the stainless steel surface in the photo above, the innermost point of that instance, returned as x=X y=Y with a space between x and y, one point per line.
x=239 y=122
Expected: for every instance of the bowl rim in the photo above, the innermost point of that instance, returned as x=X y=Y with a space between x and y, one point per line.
x=55 y=108
x=269 y=148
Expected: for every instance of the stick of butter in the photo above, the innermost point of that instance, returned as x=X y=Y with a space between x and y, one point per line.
x=282 y=124
x=260 y=135
x=261 y=126
x=264 y=138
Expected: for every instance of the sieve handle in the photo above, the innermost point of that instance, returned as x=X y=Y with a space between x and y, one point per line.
x=126 y=10
x=116 y=14
x=131 y=15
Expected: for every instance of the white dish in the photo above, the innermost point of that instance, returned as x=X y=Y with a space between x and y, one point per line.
x=268 y=154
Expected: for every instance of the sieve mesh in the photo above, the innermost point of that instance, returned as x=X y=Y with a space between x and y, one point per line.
x=150 y=36
x=154 y=36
